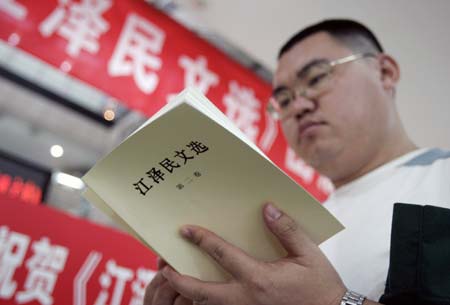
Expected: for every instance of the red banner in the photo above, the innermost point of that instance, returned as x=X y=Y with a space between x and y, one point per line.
x=142 y=57
x=47 y=257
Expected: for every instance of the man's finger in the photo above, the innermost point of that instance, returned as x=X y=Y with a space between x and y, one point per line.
x=231 y=258
x=205 y=293
x=152 y=287
x=165 y=295
x=181 y=300
x=287 y=230
x=161 y=263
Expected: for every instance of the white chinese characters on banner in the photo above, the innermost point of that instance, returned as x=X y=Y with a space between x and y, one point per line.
x=269 y=135
x=122 y=275
x=242 y=107
x=143 y=278
x=196 y=74
x=48 y=262
x=136 y=53
x=82 y=277
x=14 y=9
x=13 y=247
x=111 y=294
x=325 y=185
x=298 y=166
x=80 y=23
x=44 y=266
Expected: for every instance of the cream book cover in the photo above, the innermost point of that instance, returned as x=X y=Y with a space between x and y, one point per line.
x=189 y=164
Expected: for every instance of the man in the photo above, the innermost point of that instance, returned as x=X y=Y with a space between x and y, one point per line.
x=334 y=94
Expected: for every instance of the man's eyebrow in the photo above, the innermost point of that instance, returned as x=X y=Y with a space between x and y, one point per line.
x=306 y=68
x=278 y=90
x=301 y=73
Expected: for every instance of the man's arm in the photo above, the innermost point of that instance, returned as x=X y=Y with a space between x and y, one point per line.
x=304 y=276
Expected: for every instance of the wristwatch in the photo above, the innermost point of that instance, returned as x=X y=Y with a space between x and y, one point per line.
x=352 y=298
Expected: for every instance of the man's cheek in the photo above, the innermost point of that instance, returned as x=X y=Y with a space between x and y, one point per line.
x=287 y=131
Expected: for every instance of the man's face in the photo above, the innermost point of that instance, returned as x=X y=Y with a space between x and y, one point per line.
x=344 y=125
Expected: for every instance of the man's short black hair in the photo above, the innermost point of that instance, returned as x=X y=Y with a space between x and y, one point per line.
x=350 y=33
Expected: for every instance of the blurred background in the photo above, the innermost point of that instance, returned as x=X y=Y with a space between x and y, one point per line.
x=55 y=124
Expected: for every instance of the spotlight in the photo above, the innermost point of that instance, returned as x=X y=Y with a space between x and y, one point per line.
x=56 y=151
x=109 y=114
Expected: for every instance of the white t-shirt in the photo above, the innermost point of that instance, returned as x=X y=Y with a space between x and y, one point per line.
x=360 y=253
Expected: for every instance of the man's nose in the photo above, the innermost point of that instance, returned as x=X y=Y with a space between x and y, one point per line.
x=301 y=105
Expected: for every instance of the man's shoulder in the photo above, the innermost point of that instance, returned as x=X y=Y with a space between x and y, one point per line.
x=429 y=157
x=429 y=174
x=432 y=165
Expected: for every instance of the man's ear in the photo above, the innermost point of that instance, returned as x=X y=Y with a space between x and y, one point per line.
x=390 y=72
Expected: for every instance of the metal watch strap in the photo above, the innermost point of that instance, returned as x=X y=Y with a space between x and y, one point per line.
x=352 y=298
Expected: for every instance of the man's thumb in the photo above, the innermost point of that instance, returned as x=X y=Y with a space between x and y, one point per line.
x=287 y=230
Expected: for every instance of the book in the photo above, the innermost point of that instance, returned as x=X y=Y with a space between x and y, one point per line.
x=189 y=164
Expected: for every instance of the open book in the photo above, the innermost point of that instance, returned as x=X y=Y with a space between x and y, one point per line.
x=189 y=164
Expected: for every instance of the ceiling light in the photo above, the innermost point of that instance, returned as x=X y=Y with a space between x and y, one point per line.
x=109 y=114
x=68 y=180
x=56 y=151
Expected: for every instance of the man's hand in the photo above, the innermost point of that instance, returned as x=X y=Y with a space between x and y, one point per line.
x=303 y=277
x=159 y=292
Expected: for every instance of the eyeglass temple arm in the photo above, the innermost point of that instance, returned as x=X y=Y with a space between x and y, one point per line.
x=350 y=58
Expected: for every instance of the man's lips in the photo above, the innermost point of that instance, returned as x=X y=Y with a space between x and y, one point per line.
x=308 y=127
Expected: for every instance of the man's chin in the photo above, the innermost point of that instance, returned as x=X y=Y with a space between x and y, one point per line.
x=317 y=155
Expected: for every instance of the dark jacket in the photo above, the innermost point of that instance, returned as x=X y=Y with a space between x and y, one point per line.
x=419 y=269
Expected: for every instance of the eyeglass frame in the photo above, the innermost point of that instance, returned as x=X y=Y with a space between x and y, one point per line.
x=272 y=104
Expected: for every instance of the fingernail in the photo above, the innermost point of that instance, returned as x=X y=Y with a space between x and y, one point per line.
x=159 y=263
x=272 y=212
x=165 y=271
x=186 y=232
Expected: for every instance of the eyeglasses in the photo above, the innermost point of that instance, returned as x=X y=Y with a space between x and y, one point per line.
x=311 y=83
